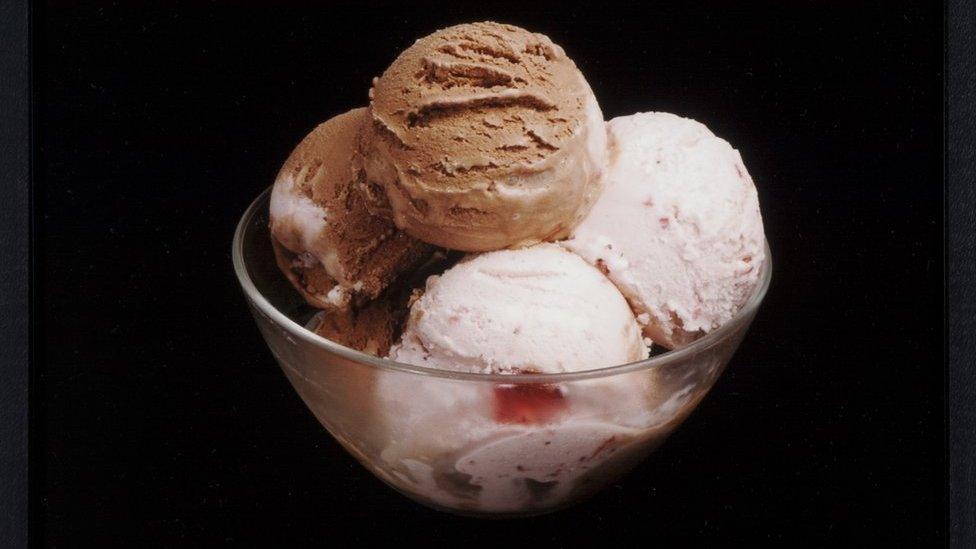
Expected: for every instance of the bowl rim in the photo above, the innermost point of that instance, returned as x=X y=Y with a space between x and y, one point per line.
x=701 y=344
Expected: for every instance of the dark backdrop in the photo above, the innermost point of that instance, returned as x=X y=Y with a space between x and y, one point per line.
x=159 y=417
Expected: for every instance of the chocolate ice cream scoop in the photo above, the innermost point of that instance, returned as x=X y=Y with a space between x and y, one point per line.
x=331 y=247
x=372 y=328
x=483 y=136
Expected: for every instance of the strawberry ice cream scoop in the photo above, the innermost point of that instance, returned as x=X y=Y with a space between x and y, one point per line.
x=678 y=227
x=539 y=309
x=497 y=446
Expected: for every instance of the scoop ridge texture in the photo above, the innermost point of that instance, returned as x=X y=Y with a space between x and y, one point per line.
x=484 y=136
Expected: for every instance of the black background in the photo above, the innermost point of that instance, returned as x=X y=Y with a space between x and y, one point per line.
x=159 y=417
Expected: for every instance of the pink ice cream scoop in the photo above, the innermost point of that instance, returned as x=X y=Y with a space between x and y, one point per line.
x=538 y=309
x=501 y=447
x=677 y=228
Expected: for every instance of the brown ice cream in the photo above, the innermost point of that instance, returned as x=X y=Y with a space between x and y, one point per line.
x=326 y=240
x=483 y=136
x=372 y=329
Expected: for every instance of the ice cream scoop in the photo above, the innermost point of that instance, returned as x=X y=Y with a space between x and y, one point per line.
x=329 y=245
x=500 y=446
x=677 y=228
x=484 y=136
x=372 y=328
x=537 y=309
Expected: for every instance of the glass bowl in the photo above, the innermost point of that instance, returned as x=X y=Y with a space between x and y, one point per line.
x=471 y=443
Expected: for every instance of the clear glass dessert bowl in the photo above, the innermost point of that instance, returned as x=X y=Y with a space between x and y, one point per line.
x=473 y=443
